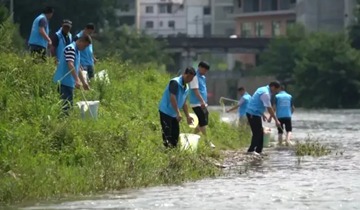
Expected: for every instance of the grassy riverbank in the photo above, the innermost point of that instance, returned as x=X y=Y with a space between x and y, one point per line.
x=43 y=156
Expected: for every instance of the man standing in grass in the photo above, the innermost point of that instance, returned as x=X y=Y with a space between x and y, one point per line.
x=260 y=101
x=39 y=36
x=198 y=98
x=61 y=39
x=67 y=74
x=173 y=99
x=242 y=105
x=284 y=109
x=88 y=59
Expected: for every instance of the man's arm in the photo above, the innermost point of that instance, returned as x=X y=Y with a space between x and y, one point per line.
x=70 y=59
x=186 y=110
x=83 y=80
x=241 y=101
x=55 y=44
x=42 y=25
x=266 y=99
x=173 y=88
x=194 y=85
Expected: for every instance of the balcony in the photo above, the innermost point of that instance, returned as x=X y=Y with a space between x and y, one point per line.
x=265 y=13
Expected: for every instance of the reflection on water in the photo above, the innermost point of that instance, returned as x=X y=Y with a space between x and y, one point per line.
x=279 y=182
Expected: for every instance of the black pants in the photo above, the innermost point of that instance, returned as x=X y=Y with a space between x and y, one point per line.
x=38 y=52
x=257 y=141
x=170 y=130
x=66 y=95
x=287 y=123
x=202 y=114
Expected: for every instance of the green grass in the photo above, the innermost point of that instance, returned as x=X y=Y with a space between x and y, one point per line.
x=44 y=156
x=311 y=148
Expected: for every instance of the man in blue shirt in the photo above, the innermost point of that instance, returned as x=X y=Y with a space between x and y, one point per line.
x=67 y=74
x=198 y=98
x=284 y=109
x=61 y=39
x=39 y=38
x=87 y=56
x=259 y=102
x=174 y=99
x=242 y=105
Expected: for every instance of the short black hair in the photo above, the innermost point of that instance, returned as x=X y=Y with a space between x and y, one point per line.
x=86 y=38
x=241 y=88
x=90 y=26
x=275 y=84
x=190 y=70
x=48 y=10
x=204 y=64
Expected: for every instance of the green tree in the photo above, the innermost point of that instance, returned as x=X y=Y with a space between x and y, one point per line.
x=354 y=29
x=128 y=44
x=10 y=39
x=280 y=58
x=327 y=74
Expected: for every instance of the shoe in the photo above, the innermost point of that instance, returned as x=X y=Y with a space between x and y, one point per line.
x=263 y=154
x=254 y=153
x=211 y=145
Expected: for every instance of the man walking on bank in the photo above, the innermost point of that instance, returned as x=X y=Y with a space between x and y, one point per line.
x=174 y=99
x=198 y=98
x=61 y=39
x=68 y=74
x=284 y=109
x=242 y=105
x=39 y=36
x=260 y=101
x=87 y=56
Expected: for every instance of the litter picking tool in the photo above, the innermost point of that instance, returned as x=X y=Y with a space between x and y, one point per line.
x=222 y=102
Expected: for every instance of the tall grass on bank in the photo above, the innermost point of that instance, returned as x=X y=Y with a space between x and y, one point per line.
x=44 y=156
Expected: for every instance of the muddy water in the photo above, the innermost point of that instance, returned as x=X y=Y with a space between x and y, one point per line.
x=282 y=181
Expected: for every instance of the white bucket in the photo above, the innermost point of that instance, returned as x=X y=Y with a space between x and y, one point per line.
x=89 y=108
x=189 y=141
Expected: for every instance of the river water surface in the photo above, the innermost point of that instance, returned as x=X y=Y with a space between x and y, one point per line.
x=280 y=182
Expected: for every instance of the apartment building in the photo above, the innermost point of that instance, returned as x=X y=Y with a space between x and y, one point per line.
x=222 y=19
x=262 y=18
x=126 y=12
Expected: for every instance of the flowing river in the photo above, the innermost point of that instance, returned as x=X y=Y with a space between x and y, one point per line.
x=281 y=181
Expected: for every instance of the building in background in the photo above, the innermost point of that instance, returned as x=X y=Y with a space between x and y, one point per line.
x=261 y=18
x=321 y=15
x=222 y=19
x=349 y=18
x=126 y=12
x=198 y=18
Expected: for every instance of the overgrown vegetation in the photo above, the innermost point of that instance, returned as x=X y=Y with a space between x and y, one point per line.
x=311 y=148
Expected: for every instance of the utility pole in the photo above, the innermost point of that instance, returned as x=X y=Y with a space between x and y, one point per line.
x=137 y=14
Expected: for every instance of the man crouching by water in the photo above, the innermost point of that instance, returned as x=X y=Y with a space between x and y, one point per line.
x=173 y=99
x=260 y=101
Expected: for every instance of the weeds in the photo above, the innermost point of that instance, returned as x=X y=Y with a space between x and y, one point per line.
x=44 y=156
x=311 y=148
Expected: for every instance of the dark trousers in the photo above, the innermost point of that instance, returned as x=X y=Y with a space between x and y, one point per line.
x=255 y=123
x=38 y=52
x=170 y=130
x=67 y=96
x=90 y=71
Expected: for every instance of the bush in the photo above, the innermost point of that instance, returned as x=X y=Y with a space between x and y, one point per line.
x=44 y=156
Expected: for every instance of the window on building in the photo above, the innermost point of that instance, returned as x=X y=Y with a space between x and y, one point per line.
x=274 y=5
x=245 y=29
x=207 y=29
x=207 y=10
x=290 y=23
x=162 y=8
x=149 y=9
x=228 y=9
x=251 y=5
x=169 y=8
x=171 y=24
x=149 y=24
x=259 y=29
x=285 y=4
x=161 y=24
x=239 y=3
x=276 y=28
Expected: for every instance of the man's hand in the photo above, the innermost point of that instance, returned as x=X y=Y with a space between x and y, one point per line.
x=203 y=104
x=77 y=83
x=178 y=117
x=190 y=120
x=49 y=42
x=277 y=122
